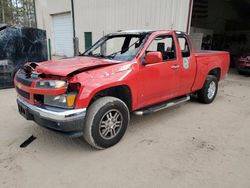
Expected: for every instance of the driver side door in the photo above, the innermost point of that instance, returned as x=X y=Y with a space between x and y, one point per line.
x=158 y=81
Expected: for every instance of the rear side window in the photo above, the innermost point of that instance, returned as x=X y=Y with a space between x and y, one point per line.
x=165 y=45
x=185 y=50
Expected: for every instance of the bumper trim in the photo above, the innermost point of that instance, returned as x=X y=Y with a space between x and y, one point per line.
x=244 y=69
x=65 y=115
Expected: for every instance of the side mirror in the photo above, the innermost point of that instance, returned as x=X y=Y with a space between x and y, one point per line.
x=153 y=57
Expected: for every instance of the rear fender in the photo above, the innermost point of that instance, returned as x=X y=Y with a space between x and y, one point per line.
x=204 y=66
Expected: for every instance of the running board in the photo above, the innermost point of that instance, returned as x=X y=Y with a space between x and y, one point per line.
x=162 y=106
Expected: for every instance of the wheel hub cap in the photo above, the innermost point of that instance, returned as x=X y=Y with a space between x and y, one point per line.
x=211 y=90
x=110 y=124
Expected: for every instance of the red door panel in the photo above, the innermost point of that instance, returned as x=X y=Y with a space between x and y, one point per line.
x=158 y=82
x=187 y=71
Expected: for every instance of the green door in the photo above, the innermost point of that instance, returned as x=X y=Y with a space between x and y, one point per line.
x=88 y=39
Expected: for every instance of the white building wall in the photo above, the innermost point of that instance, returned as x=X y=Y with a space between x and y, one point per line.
x=104 y=16
x=45 y=9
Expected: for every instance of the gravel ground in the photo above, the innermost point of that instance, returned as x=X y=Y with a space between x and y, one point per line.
x=189 y=145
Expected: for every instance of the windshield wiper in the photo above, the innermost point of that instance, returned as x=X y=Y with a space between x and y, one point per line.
x=97 y=55
x=111 y=56
x=93 y=55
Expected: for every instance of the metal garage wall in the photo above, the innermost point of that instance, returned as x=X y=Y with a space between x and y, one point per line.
x=63 y=34
x=104 y=16
x=101 y=17
x=45 y=9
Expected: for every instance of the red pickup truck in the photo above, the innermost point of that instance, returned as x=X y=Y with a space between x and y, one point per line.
x=127 y=71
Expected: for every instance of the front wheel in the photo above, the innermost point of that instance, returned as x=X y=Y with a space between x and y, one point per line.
x=106 y=122
x=209 y=90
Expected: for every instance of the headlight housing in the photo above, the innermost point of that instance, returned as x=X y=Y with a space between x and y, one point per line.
x=61 y=101
x=51 y=84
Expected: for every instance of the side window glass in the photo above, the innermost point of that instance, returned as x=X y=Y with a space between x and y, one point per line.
x=165 y=45
x=185 y=51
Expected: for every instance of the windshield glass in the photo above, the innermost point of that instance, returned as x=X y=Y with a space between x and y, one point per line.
x=117 y=47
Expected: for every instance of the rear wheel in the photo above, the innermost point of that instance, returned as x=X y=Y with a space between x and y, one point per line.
x=241 y=72
x=209 y=90
x=106 y=122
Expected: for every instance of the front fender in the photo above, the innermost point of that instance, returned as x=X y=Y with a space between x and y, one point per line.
x=88 y=92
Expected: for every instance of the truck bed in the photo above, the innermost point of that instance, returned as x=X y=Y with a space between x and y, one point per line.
x=209 y=60
x=209 y=53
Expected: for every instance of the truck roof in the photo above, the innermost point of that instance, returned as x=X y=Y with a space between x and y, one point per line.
x=141 y=31
x=136 y=31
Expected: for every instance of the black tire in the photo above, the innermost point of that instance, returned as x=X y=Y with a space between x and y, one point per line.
x=241 y=72
x=100 y=109
x=204 y=96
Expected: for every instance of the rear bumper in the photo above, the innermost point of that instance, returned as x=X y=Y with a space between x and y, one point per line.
x=69 y=122
x=242 y=66
x=245 y=69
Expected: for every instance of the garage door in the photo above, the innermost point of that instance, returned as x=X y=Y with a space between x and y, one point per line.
x=63 y=35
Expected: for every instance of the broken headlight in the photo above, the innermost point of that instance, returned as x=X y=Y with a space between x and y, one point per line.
x=51 y=84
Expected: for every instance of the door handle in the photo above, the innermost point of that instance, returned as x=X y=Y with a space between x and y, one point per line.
x=176 y=66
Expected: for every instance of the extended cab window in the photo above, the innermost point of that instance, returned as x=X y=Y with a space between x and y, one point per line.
x=165 y=45
x=185 y=50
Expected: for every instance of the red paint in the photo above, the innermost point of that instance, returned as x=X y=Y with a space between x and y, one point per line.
x=153 y=57
x=148 y=83
x=63 y=67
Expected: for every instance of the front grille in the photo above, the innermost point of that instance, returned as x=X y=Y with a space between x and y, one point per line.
x=24 y=79
x=23 y=93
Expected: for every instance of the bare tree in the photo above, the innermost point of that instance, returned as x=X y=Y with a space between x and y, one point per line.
x=19 y=12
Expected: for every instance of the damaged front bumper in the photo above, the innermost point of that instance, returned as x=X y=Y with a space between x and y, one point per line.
x=66 y=121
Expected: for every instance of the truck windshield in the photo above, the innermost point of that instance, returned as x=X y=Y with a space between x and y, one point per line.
x=122 y=47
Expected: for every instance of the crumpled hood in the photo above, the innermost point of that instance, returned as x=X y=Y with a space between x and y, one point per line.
x=65 y=67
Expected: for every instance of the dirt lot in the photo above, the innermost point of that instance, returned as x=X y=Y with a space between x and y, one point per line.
x=190 y=145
